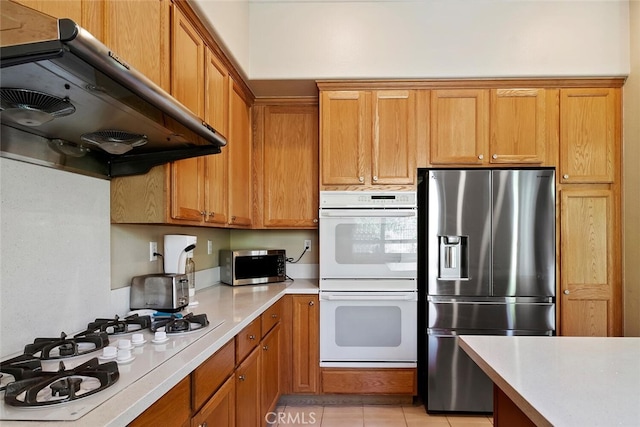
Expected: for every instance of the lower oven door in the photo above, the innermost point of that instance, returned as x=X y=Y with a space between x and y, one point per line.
x=368 y=329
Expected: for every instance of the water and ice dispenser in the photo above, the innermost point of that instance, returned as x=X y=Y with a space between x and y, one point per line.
x=454 y=256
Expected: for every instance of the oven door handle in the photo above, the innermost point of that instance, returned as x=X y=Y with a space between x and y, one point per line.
x=370 y=213
x=402 y=297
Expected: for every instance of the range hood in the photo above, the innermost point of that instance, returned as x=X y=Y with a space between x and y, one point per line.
x=69 y=102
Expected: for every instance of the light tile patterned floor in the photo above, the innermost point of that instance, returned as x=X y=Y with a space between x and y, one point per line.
x=370 y=416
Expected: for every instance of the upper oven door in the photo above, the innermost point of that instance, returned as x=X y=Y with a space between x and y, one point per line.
x=368 y=243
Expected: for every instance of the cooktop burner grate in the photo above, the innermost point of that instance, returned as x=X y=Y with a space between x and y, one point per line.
x=63 y=347
x=118 y=326
x=50 y=388
x=177 y=325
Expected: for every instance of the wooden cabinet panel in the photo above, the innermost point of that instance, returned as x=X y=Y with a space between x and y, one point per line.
x=343 y=139
x=518 y=126
x=211 y=373
x=247 y=339
x=187 y=63
x=285 y=151
x=271 y=316
x=187 y=196
x=138 y=32
x=270 y=370
x=587 y=255
x=369 y=381
x=172 y=409
x=248 y=392
x=239 y=147
x=220 y=410
x=393 y=146
x=305 y=343
x=589 y=135
x=459 y=126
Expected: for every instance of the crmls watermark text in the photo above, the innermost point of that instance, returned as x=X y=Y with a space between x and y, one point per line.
x=284 y=418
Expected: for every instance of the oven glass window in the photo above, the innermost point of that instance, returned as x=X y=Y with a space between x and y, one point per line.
x=368 y=326
x=376 y=241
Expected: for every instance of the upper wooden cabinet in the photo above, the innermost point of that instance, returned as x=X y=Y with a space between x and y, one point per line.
x=240 y=192
x=86 y=13
x=367 y=139
x=488 y=126
x=285 y=155
x=589 y=135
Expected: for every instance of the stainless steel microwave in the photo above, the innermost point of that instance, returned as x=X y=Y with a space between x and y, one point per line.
x=251 y=267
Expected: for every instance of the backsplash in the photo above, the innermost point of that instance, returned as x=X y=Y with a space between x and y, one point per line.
x=55 y=252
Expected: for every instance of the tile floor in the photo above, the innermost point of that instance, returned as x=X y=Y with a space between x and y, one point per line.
x=369 y=416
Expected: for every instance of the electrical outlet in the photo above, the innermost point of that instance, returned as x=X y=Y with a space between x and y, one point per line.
x=209 y=247
x=307 y=245
x=153 y=248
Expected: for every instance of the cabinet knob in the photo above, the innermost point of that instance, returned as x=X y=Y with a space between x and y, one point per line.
x=273 y=316
x=252 y=337
x=311 y=303
x=565 y=176
x=480 y=157
x=566 y=292
x=495 y=156
x=315 y=220
x=375 y=178
x=233 y=218
x=203 y=213
x=265 y=348
x=361 y=179
x=241 y=378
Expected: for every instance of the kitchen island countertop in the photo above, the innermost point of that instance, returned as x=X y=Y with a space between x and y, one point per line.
x=564 y=381
x=237 y=306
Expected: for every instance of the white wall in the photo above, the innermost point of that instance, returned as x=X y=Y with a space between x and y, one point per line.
x=631 y=180
x=55 y=263
x=438 y=38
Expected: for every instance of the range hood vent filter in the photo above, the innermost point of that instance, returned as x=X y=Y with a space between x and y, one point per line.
x=115 y=141
x=33 y=108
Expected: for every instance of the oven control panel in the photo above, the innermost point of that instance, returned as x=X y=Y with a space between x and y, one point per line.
x=361 y=199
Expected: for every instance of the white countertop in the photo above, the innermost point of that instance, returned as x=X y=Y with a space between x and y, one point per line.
x=237 y=306
x=564 y=381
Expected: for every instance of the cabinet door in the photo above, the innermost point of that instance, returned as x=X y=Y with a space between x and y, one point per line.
x=393 y=146
x=459 y=126
x=220 y=410
x=186 y=189
x=248 y=392
x=239 y=158
x=345 y=136
x=138 y=32
x=306 y=343
x=216 y=181
x=289 y=166
x=589 y=134
x=270 y=370
x=187 y=63
x=86 y=13
x=518 y=126
x=587 y=236
x=172 y=409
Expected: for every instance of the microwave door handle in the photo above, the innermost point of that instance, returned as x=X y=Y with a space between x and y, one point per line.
x=368 y=214
x=407 y=297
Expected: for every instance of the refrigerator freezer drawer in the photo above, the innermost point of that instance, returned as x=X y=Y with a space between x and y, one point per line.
x=491 y=316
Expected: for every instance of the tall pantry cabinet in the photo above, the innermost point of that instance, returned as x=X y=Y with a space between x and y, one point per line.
x=590 y=229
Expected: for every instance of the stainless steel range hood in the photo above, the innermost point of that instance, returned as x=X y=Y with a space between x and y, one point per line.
x=69 y=102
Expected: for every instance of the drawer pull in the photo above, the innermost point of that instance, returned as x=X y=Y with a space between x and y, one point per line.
x=241 y=378
x=265 y=348
x=311 y=304
x=274 y=316
x=252 y=337
x=565 y=176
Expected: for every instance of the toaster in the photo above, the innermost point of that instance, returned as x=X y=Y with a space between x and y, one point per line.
x=162 y=292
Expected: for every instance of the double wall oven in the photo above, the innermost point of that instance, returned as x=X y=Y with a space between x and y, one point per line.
x=368 y=279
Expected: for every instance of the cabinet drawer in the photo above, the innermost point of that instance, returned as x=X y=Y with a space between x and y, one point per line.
x=369 y=381
x=212 y=373
x=247 y=339
x=271 y=316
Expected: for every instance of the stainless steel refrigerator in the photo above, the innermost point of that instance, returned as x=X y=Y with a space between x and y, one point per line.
x=489 y=254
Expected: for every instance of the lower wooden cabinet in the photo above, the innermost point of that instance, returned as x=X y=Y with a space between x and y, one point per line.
x=220 y=410
x=172 y=409
x=247 y=379
x=305 y=345
x=270 y=370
